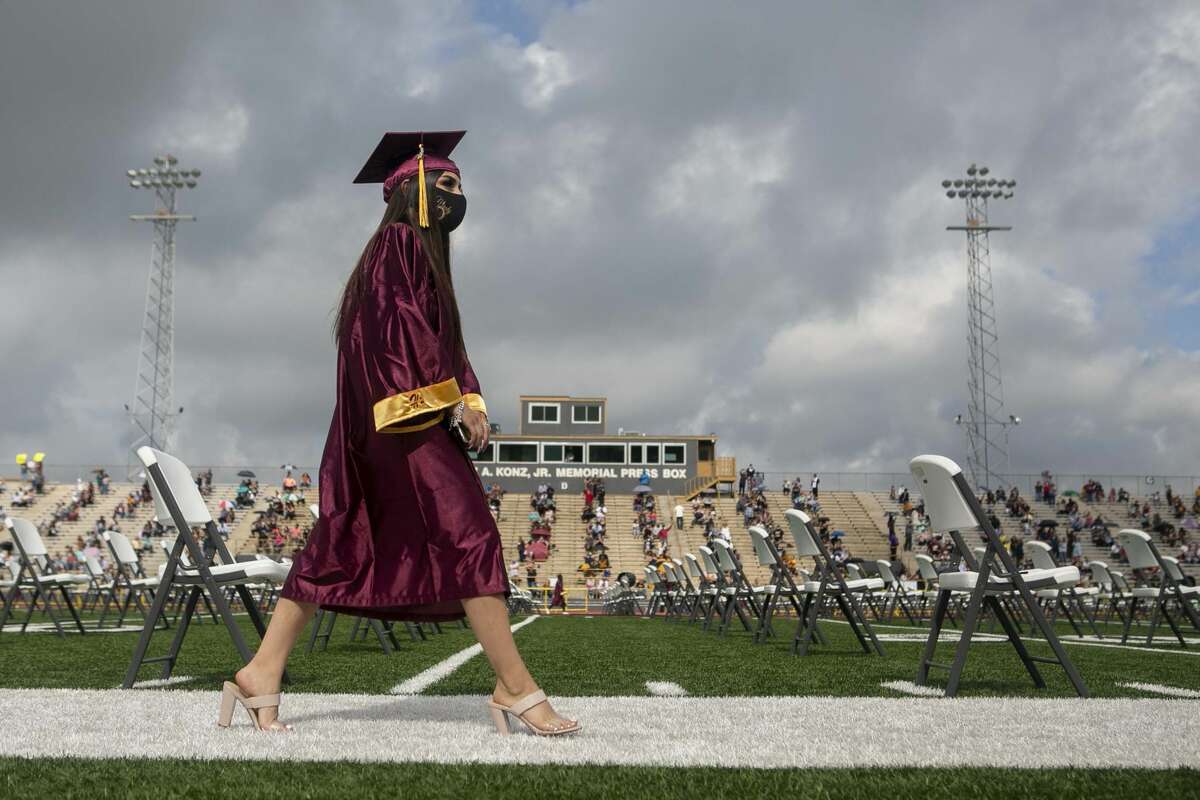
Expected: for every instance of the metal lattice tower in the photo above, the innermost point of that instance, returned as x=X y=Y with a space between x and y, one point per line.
x=985 y=425
x=154 y=392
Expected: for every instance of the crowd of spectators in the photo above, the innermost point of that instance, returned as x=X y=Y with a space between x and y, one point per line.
x=595 y=562
x=1064 y=525
x=542 y=510
x=67 y=556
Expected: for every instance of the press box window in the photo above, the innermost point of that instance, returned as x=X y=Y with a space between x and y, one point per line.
x=606 y=454
x=520 y=453
x=486 y=454
x=643 y=454
x=543 y=412
x=588 y=413
x=560 y=453
x=673 y=453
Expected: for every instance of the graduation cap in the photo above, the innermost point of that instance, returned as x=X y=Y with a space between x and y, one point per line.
x=403 y=155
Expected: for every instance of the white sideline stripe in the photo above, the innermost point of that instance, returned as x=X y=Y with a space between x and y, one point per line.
x=423 y=680
x=155 y=683
x=665 y=689
x=944 y=636
x=1158 y=688
x=955 y=635
x=908 y=687
x=69 y=626
x=1035 y=732
x=48 y=627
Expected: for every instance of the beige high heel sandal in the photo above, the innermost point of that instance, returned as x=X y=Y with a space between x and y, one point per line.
x=501 y=714
x=232 y=694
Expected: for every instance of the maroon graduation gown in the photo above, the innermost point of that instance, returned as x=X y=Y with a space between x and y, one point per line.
x=404 y=530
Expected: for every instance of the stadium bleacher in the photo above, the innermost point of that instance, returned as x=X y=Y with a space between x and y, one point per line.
x=862 y=515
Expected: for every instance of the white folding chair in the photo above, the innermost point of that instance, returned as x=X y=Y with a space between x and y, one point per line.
x=178 y=503
x=856 y=573
x=708 y=561
x=126 y=561
x=656 y=590
x=99 y=583
x=895 y=594
x=743 y=593
x=1143 y=554
x=781 y=581
x=929 y=575
x=1108 y=595
x=952 y=508
x=705 y=590
x=688 y=595
x=1062 y=598
x=34 y=573
x=830 y=583
x=671 y=590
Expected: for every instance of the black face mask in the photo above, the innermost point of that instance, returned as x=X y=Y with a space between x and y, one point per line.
x=447 y=208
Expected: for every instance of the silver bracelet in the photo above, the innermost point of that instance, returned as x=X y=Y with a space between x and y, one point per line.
x=456 y=417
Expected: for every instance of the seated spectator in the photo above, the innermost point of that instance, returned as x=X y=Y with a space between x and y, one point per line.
x=1116 y=552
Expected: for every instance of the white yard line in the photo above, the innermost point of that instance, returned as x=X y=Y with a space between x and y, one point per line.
x=158 y=683
x=423 y=680
x=1158 y=688
x=786 y=731
x=908 y=687
x=665 y=689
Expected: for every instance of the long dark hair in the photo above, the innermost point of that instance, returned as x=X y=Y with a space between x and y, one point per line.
x=435 y=244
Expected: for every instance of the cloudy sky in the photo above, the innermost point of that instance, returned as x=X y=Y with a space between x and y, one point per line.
x=724 y=217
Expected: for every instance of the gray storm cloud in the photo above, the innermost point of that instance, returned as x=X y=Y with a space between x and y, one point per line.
x=724 y=218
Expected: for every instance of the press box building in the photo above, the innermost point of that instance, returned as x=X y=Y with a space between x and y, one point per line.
x=563 y=440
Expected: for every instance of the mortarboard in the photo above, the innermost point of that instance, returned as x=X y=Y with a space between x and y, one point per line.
x=403 y=155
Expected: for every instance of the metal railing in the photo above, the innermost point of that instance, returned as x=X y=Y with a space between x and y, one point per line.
x=1139 y=485
x=576 y=598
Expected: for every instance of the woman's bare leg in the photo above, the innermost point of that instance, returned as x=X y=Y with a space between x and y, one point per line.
x=489 y=620
x=265 y=671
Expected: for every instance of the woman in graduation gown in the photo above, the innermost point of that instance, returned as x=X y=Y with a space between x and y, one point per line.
x=404 y=531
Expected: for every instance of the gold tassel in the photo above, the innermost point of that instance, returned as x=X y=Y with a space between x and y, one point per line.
x=422 y=198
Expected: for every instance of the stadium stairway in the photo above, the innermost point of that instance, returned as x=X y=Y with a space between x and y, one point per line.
x=624 y=549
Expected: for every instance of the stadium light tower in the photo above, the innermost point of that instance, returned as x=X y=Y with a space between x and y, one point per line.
x=986 y=406
x=153 y=394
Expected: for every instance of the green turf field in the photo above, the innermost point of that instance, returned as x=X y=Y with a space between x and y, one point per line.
x=603 y=655
x=590 y=658
x=176 y=778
